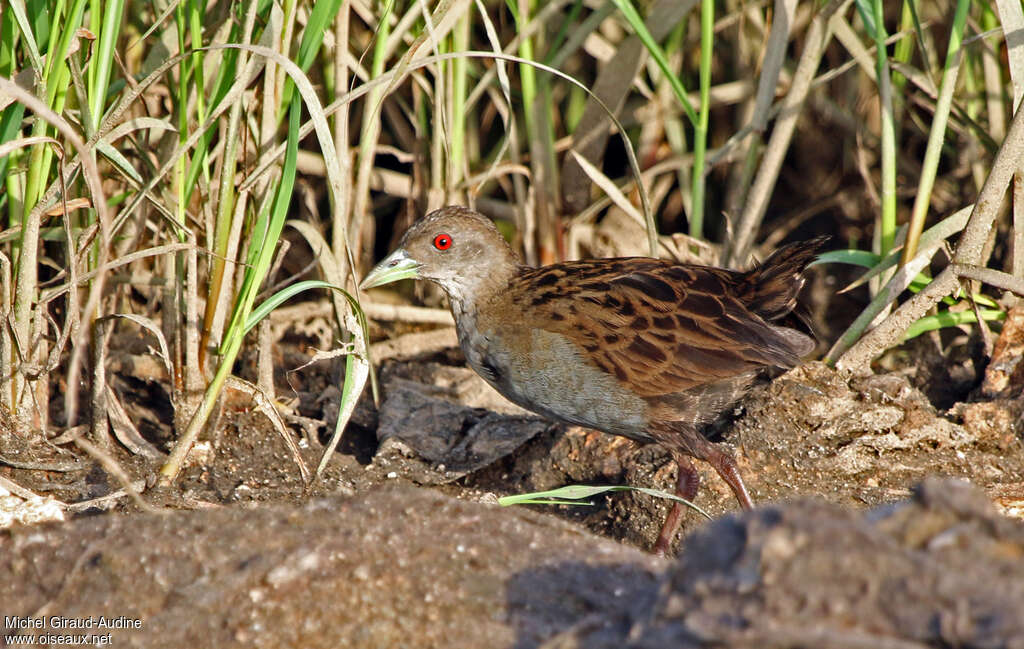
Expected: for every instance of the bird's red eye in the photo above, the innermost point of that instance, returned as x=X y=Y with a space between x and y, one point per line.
x=442 y=242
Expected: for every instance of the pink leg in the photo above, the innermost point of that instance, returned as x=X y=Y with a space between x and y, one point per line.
x=726 y=467
x=687 y=482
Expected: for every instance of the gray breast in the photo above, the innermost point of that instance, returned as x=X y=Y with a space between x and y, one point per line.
x=552 y=378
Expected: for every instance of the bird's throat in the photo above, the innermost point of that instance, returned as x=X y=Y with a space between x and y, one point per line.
x=471 y=292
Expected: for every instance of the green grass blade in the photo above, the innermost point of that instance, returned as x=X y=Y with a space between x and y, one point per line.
x=266 y=233
x=862 y=258
x=631 y=15
x=942 y=230
x=226 y=74
x=937 y=134
x=887 y=223
x=10 y=125
x=17 y=8
x=279 y=298
x=570 y=493
x=287 y=293
x=103 y=61
x=700 y=129
x=320 y=21
x=866 y=10
x=944 y=319
x=119 y=161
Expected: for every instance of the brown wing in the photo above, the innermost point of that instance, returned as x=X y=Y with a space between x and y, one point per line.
x=661 y=327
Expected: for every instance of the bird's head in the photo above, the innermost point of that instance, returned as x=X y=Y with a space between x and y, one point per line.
x=459 y=249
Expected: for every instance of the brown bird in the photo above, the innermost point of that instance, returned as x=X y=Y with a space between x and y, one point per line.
x=645 y=348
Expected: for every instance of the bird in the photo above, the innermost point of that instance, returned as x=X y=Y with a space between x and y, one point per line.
x=645 y=348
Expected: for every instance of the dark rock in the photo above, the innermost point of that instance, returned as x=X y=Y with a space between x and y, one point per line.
x=943 y=570
x=435 y=417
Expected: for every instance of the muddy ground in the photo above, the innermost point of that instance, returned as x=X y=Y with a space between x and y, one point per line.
x=400 y=542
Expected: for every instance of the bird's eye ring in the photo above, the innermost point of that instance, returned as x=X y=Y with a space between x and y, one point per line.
x=442 y=242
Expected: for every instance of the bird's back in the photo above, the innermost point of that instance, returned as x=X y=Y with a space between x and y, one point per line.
x=686 y=339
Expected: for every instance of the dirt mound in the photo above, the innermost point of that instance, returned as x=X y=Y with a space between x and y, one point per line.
x=412 y=568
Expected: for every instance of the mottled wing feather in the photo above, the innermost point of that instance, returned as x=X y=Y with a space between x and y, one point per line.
x=661 y=327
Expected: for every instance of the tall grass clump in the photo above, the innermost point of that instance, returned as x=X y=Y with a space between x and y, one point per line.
x=154 y=157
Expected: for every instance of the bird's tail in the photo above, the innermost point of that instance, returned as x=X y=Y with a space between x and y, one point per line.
x=771 y=287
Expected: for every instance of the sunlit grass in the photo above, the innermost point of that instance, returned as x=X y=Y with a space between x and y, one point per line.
x=150 y=162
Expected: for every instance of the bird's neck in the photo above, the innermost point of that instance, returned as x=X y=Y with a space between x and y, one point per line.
x=470 y=303
x=473 y=290
x=483 y=273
